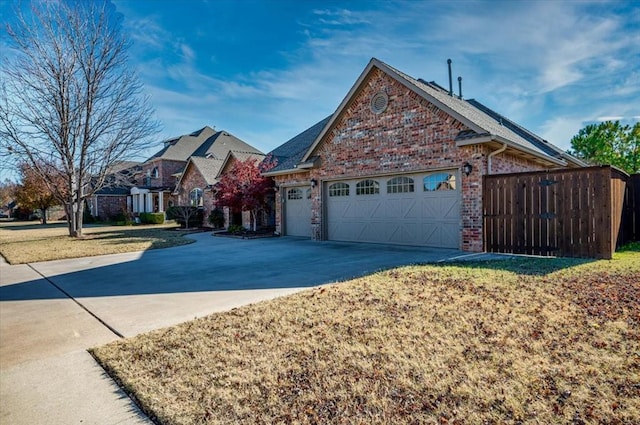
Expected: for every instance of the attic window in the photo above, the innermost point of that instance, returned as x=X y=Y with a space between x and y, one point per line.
x=379 y=102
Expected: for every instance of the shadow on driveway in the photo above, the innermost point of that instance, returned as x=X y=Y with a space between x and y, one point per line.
x=220 y=264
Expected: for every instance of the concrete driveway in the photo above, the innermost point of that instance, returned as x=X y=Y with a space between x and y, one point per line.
x=51 y=312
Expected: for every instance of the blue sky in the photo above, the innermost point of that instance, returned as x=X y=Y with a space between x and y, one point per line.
x=267 y=70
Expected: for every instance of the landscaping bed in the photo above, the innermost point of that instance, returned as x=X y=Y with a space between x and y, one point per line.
x=553 y=341
x=246 y=234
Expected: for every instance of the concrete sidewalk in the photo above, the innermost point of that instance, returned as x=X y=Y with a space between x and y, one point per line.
x=51 y=313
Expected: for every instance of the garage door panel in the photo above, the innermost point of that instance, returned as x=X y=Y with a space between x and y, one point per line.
x=429 y=218
x=298 y=214
x=405 y=233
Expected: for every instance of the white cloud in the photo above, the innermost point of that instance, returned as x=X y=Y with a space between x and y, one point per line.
x=560 y=130
x=612 y=118
x=546 y=65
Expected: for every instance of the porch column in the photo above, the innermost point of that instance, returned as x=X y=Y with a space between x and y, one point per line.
x=149 y=200
x=161 y=202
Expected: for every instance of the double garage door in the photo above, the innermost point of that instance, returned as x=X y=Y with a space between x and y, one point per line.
x=414 y=209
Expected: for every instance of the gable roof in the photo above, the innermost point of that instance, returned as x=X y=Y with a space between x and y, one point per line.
x=212 y=168
x=289 y=154
x=485 y=126
x=182 y=147
x=208 y=168
x=221 y=143
x=239 y=156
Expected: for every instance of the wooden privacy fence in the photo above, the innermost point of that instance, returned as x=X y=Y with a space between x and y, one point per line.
x=630 y=228
x=565 y=213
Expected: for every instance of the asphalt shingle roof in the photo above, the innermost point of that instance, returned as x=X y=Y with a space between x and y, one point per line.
x=183 y=147
x=289 y=154
x=220 y=143
x=208 y=167
x=487 y=123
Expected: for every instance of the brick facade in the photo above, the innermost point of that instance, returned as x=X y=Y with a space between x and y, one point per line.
x=166 y=170
x=108 y=206
x=411 y=135
x=192 y=179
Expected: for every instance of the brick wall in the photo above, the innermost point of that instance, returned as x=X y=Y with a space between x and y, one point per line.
x=192 y=179
x=166 y=169
x=109 y=206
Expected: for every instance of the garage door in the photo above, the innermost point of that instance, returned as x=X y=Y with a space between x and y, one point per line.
x=416 y=209
x=297 y=207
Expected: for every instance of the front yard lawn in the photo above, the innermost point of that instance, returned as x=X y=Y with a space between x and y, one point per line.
x=24 y=242
x=544 y=341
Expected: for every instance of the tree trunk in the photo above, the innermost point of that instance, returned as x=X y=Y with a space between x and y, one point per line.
x=253 y=216
x=79 y=218
x=44 y=215
x=69 y=212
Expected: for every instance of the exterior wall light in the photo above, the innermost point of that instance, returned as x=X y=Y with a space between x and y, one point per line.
x=467 y=168
x=314 y=183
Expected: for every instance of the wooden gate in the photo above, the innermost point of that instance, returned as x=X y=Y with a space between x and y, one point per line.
x=565 y=213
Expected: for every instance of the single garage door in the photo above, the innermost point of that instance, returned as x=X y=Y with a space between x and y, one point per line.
x=297 y=208
x=413 y=209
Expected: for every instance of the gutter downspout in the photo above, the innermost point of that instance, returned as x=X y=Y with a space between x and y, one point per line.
x=492 y=154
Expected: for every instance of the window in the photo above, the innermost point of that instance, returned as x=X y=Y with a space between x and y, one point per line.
x=308 y=193
x=294 y=194
x=339 y=189
x=400 y=185
x=195 y=197
x=439 y=181
x=155 y=173
x=367 y=187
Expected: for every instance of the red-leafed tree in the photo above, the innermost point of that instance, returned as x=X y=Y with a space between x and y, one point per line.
x=37 y=191
x=244 y=188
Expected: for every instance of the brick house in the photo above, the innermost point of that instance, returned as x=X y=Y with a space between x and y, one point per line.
x=196 y=184
x=154 y=187
x=112 y=199
x=401 y=162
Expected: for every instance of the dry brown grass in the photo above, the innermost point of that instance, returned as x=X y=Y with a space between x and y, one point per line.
x=28 y=243
x=546 y=341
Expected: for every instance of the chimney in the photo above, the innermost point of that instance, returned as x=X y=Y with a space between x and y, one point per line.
x=450 y=81
x=459 y=87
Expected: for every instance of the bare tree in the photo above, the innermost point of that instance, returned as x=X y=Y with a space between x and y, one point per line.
x=69 y=101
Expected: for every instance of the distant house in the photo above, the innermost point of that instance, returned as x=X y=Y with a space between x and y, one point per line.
x=196 y=184
x=113 y=199
x=401 y=161
x=181 y=173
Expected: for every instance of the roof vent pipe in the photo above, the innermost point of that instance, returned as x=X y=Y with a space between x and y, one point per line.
x=450 y=81
x=459 y=87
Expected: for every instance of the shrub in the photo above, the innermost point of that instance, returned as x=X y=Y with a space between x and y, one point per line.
x=123 y=217
x=151 y=218
x=236 y=228
x=216 y=218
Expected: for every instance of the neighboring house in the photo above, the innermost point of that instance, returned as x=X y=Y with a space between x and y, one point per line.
x=113 y=199
x=196 y=184
x=401 y=162
x=159 y=181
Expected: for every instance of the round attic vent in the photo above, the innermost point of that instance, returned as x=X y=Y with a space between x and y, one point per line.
x=379 y=102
